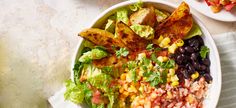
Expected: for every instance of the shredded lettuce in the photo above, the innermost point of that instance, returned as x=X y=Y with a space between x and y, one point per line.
x=195 y=31
x=76 y=93
x=144 y=31
x=93 y=54
x=138 y=5
x=102 y=82
x=122 y=52
x=122 y=15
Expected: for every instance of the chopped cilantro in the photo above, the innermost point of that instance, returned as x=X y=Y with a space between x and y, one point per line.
x=154 y=78
x=131 y=65
x=133 y=75
x=164 y=76
x=204 y=51
x=158 y=49
x=147 y=74
x=149 y=47
x=165 y=65
x=122 y=52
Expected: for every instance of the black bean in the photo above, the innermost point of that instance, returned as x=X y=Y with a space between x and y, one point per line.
x=208 y=70
x=194 y=56
x=181 y=50
x=190 y=68
x=202 y=72
x=195 y=43
x=208 y=77
x=180 y=76
x=179 y=59
x=189 y=49
x=186 y=58
x=202 y=67
x=196 y=65
x=196 y=49
x=185 y=73
x=200 y=40
x=206 y=62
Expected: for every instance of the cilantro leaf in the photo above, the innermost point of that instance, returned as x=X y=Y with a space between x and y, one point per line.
x=165 y=65
x=204 y=51
x=149 y=47
x=154 y=78
x=132 y=65
x=122 y=52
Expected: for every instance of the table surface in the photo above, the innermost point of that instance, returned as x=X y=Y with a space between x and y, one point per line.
x=38 y=39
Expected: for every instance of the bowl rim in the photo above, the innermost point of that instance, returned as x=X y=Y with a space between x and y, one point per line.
x=196 y=19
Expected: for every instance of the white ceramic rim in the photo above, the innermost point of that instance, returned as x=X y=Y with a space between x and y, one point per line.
x=203 y=28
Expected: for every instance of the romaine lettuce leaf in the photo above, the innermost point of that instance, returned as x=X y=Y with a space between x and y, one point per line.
x=75 y=93
x=138 y=5
x=122 y=15
x=93 y=54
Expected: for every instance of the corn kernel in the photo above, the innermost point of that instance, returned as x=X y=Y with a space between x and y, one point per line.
x=175 y=83
x=169 y=95
x=150 y=66
x=125 y=93
x=153 y=95
x=165 y=42
x=132 y=89
x=162 y=58
x=123 y=76
x=132 y=98
x=168 y=79
x=195 y=75
x=172 y=72
x=141 y=101
x=141 y=56
x=179 y=42
x=172 y=48
x=125 y=86
x=147 y=104
x=121 y=90
x=174 y=78
x=160 y=39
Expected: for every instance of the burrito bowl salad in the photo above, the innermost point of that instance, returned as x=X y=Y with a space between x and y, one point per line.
x=142 y=57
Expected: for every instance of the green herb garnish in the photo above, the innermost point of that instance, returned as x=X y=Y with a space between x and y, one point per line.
x=165 y=65
x=204 y=51
x=122 y=52
x=154 y=78
x=149 y=47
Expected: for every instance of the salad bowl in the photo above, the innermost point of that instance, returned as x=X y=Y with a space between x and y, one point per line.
x=213 y=92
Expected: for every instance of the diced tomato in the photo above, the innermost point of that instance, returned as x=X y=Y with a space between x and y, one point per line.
x=229 y=6
x=96 y=97
x=162 y=53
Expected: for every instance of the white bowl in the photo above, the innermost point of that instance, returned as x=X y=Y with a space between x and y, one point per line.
x=214 y=89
